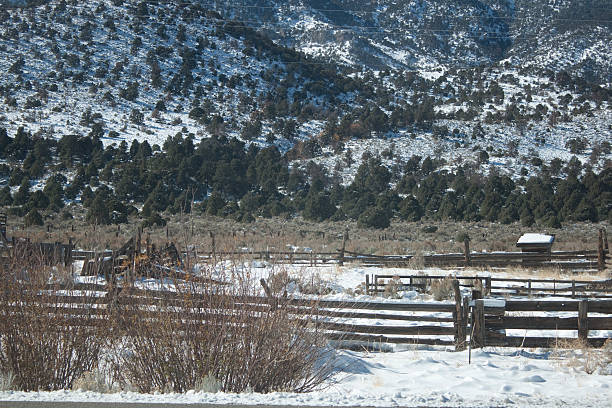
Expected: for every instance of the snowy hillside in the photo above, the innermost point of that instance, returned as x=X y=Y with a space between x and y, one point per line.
x=137 y=70
x=210 y=87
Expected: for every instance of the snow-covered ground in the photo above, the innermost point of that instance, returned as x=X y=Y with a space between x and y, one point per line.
x=404 y=375
x=410 y=377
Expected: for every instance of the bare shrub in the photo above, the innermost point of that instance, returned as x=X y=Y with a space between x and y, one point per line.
x=39 y=344
x=392 y=288
x=442 y=289
x=218 y=340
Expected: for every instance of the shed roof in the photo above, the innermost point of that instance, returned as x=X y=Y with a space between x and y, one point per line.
x=536 y=239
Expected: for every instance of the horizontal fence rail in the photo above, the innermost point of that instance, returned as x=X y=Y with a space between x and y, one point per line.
x=496 y=286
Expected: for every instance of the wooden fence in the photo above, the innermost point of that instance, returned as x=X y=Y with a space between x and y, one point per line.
x=576 y=260
x=583 y=260
x=497 y=286
x=445 y=323
x=491 y=321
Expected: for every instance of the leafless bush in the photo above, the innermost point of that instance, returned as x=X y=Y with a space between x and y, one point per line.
x=43 y=347
x=393 y=287
x=442 y=289
x=218 y=340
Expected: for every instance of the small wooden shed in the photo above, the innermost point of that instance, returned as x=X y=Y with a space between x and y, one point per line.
x=539 y=243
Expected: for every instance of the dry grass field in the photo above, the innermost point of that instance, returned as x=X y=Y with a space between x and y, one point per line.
x=278 y=234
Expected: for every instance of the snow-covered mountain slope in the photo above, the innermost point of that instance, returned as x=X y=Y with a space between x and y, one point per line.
x=409 y=34
x=496 y=83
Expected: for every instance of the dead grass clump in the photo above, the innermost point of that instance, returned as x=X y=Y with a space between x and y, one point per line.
x=7 y=381
x=578 y=355
x=417 y=261
x=442 y=289
x=95 y=381
x=278 y=281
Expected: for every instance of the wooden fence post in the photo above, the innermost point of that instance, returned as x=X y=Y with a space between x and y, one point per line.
x=459 y=322
x=529 y=288
x=213 y=245
x=583 y=320
x=478 y=324
x=344 y=238
x=139 y=242
x=367 y=284
x=488 y=286
x=601 y=257
x=468 y=260
x=573 y=288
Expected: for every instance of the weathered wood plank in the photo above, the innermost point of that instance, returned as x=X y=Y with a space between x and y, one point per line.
x=399 y=330
x=387 y=339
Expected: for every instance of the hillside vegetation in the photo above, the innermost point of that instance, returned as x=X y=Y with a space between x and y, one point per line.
x=151 y=108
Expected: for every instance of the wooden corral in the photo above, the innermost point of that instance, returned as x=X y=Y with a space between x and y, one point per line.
x=479 y=323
